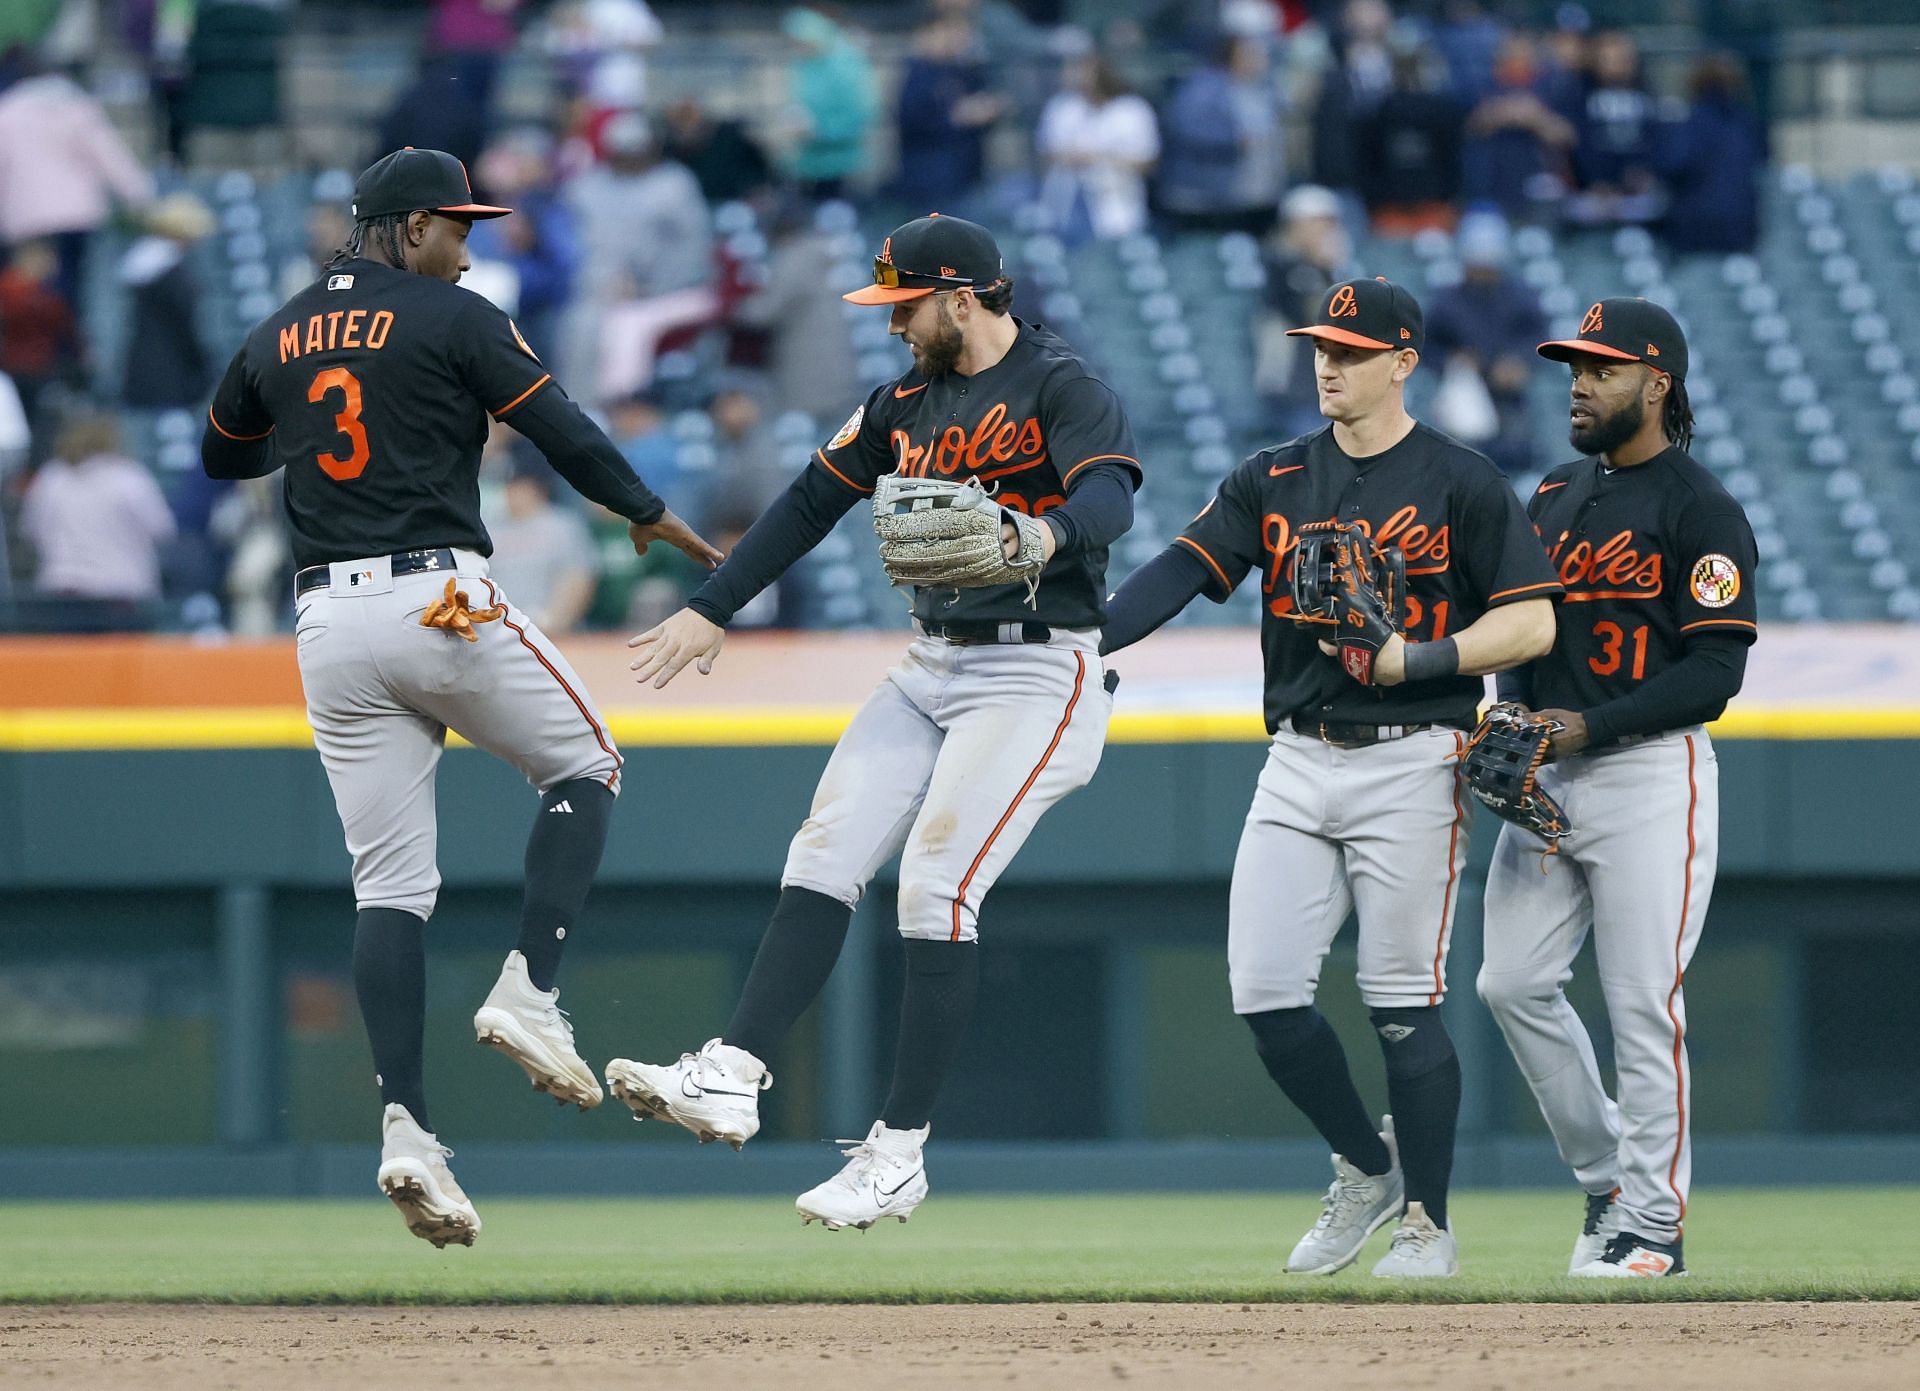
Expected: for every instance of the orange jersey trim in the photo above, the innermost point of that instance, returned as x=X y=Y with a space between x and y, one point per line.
x=1453 y=875
x=827 y=464
x=1523 y=589
x=599 y=734
x=242 y=439
x=1212 y=564
x=1583 y=596
x=523 y=396
x=1679 y=974
x=1718 y=623
x=1123 y=458
x=1059 y=733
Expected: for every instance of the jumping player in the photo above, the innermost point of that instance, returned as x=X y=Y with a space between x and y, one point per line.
x=1359 y=806
x=997 y=711
x=1658 y=563
x=372 y=388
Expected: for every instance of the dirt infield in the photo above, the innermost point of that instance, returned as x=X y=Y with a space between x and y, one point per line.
x=1741 y=1347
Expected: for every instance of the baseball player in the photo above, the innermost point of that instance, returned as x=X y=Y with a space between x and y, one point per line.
x=997 y=711
x=1658 y=563
x=1359 y=805
x=372 y=388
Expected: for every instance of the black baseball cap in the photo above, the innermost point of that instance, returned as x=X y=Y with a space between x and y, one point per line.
x=1372 y=313
x=1632 y=330
x=412 y=180
x=930 y=254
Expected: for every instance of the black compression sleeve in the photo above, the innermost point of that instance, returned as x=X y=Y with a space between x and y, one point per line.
x=223 y=457
x=1151 y=595
x=581 y=453
x=1693 y=689
x=1097 y=512
x=1515 y=685
x=793 y=525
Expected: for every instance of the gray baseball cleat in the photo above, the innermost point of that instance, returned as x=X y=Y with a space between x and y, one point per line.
x=528 y=1025
x=1355 y=1207
x=1602 y=1225
x=1420 y=1248
x=415 y=1176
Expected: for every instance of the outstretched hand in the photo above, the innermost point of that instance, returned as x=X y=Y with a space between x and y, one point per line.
x=667 y=647
x=677 y=534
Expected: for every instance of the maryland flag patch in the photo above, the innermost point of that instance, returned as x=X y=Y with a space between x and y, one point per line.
x=1715 y=581
x=846 y=433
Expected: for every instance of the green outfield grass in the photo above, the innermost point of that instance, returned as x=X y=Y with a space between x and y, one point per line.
x=1800 y=1244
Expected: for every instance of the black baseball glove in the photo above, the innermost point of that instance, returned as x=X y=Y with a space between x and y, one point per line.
x=1503 y=768
x=1342 y=579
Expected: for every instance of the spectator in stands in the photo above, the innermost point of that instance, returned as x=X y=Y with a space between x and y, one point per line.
x=600 y=47
x=231 y=104
x=945 y=109
x=798 y=308
x=833 y=102
x=1306 y=256
x=1617 y=125
x=167 y=365
x=40 y=343
x=475 y=37
x=1712 y=162
x=1517 y=145
x=542 y=554
x=438 y=110
x=1481 y=334
x=62 y=169
x=639 y=430
x=1468 y=41
x=747 y=469
x=1223 y=165
x=649 y=263
x=1098 y=141
x=1351 y=90
x=540 y=242
x=96 y=521
x=1408 y=150
x=726 y=160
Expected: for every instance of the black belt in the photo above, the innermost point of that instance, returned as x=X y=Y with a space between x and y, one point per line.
x=403 y=562
x=1359 y=736
x=974 y=633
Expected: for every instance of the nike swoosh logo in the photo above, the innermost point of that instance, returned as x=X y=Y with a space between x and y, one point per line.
x=700 y=1091
x=1276 y=470
x=1549 y=487
x=883 y=1197
x=900 y=394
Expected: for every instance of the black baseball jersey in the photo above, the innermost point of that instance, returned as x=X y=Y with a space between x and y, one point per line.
x=1466 y=540
x=375 y=385
x=1025 y=425
x=1651 y=556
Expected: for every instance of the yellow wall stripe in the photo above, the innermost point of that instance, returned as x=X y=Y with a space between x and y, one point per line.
x=47 y=731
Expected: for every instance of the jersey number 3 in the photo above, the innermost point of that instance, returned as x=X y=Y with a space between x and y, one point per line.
x=347 y=422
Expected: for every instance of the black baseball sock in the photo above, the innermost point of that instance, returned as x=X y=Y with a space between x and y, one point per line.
x=390 y=977
x=1304 y=1057
x=1423 y=1087
x=795 y=958
x=943 y=981
x=563 y=852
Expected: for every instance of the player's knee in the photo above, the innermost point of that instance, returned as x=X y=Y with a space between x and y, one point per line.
x=1280 y=1035
x=1510 y=992
x=1414 y=1042
x=928 y=912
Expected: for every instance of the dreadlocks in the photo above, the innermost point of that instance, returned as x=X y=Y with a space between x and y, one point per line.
x=382 y=234
x=1676 y=415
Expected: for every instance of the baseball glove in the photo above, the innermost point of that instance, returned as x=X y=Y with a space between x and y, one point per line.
x=452 y=613
x=1341 y=578
x=948 y=535
x=1503 y=767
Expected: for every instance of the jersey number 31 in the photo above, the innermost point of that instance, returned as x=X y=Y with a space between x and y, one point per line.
x=347 y=422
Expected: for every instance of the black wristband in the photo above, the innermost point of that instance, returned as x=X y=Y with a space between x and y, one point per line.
x=1430 y=661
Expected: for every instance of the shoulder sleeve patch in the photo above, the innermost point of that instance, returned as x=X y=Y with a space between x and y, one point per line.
x=1715 y=581
x=521 y=341
x=846 y=433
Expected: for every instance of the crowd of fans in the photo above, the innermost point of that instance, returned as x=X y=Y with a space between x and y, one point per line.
x=1306 y=125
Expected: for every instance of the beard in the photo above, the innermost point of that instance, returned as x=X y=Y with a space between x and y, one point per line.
x=1604 y=434
x=940 y=353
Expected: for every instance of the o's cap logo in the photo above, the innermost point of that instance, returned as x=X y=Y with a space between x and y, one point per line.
x=1715 y=581
x=1343 y=305
x=850 y=429
x=1592 y=323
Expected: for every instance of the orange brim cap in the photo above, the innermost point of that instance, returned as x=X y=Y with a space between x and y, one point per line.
x=1565 y=346
x=880 y=294
x=475 y=210
x=1337 y=335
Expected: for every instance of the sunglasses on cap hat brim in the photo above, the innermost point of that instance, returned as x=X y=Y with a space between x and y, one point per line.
x=890 y=285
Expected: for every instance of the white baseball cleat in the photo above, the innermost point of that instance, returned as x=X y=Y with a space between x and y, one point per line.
x=715 y=1093
x=1355 y=1207
x=528 y=1025
x=1420 y=1249
x=1601 y=1226
x=884 y=1176
x=1630 y=1256
x=414 y=1174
